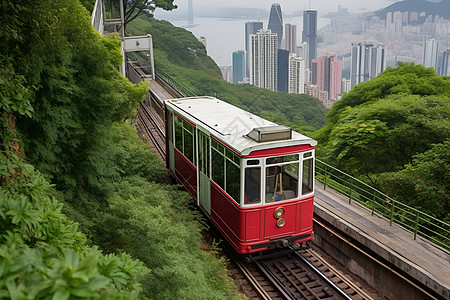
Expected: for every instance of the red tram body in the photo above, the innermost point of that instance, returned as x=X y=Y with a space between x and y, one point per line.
x=252 y=178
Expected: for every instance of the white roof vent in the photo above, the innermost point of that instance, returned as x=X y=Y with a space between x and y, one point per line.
x=271 y=133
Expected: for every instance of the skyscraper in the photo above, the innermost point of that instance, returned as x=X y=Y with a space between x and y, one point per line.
x=430 y=53
x=263 y=50
x=328 y=76
x=250 y=28
x=283 y=70
x=290 y=38
x=309 y=33
x=276 y=22
x=445 y=69
x=367 y=62
x=238 y=66
x=296 y=74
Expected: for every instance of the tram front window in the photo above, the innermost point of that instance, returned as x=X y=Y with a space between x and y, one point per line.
x=282 y=179
x=252 y=185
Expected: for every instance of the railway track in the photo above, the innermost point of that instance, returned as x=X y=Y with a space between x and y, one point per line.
x=149 y=123
x=298 y=275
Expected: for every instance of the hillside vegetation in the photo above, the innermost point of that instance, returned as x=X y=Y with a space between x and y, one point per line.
x=179 y=54
x=394 y=132
x=68 y=155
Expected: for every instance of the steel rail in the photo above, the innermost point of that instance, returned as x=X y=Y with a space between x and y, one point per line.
x=274 y=280
x=323 y=277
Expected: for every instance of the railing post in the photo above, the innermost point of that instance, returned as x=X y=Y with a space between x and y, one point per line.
x=417 y=225
x=392 y=213
x=350 y=196
x=325 y=181
x=373 y=202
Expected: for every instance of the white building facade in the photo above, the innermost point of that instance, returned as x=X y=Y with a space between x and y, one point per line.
x=263 y=59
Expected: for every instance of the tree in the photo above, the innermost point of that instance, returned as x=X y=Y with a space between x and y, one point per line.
x=424 y=183
x=135 y=8
x=381 y=124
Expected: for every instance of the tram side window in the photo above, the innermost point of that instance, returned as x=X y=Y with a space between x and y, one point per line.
x=218 y=164
x=307 y=178
x=188 y=142
x=226 y=170
x=252 y=191
x=233 y=180
x=179 y=133
x=184 y=138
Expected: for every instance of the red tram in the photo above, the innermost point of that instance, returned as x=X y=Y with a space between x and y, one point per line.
x=254 y=179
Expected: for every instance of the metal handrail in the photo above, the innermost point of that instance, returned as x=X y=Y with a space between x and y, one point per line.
x=418 y=222
x=174 y=83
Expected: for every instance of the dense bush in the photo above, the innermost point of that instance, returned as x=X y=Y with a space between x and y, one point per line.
x=62 y=107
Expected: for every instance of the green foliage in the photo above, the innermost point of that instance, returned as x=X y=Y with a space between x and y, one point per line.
x=178 y=53
x=383 y=135
x=387 y=123
x=42 y=253
x=425 y=182
x=59 y=71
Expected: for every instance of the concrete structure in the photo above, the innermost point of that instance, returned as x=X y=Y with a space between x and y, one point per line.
x=314 y=91
x=227 y=74
x=426 y=265
x=283 y=70
x=296 y=74
x=250 y=28
x=238 y=66
x=276 y=22
x=327 y=74
x=290 y=38
x=263 y=59
x=309 y=33
x=367 y=61
x=445 y=69
x=430 y=53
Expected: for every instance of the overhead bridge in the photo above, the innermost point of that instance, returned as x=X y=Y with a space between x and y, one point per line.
x=396 y=261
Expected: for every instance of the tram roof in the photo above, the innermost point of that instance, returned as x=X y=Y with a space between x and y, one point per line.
x=231 y=124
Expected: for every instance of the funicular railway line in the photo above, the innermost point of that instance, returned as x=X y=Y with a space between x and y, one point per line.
x=289 y=276
x=298 y=274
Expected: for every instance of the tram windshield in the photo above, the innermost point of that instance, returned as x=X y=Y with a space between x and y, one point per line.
x=282 y=178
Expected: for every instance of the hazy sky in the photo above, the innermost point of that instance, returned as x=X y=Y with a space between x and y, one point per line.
x=290 y=5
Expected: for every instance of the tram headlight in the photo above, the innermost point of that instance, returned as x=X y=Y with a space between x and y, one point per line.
x=281 y=222
x=279 y=212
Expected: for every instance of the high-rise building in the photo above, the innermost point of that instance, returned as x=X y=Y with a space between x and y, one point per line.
x=238 y=66
x=309 y=33
x=263 y=58
x=430 y=53
x=327 y=74
x=276 y=22
x=283 y=70
x=445 y=69
x=367 y=61
x=290 y=37
x=250 y=28
x=296 y=74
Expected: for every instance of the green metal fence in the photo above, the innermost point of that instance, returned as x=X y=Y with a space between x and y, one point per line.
x=174 y=83
x=413 y=219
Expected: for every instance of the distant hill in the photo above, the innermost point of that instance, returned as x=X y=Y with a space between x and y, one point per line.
x=441 y=8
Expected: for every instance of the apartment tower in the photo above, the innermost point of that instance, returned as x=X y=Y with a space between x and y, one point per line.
x=367 y=61
x=263 y=58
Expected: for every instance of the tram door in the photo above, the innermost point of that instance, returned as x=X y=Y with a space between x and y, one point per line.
x=204 y=185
